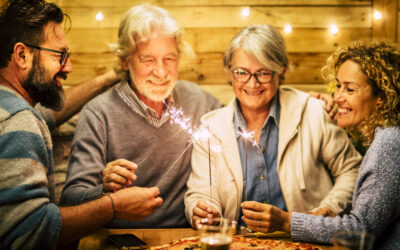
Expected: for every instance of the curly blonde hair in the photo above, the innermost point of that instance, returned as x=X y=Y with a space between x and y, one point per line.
x=380 y=62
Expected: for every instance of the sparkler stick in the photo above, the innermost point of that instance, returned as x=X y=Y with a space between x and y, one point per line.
x=180 y=156
x=209 y=168
x=245 y=171
x=248 y=136
x=158 y=147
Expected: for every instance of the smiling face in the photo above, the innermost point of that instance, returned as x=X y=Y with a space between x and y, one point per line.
x=44 y=80
x=252 y=95
x=353 y=95
x=153 y=68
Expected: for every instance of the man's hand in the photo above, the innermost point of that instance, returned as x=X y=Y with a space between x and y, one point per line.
x=331 y=106
x=323 y=211
x=265 y=218
x=203 y=210
x=118 y=174
x=135 y=203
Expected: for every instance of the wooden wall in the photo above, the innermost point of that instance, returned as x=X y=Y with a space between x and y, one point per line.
x=210 y=24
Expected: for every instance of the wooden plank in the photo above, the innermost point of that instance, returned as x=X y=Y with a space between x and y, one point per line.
x=300 y=40
x=213 y=17
x=207 y=68
x=88 y=65
x=398 y=26
x=386 y=28
x=128 y=3
x=95 y=40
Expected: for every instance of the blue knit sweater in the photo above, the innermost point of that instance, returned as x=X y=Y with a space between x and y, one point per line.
x=28 y=218
x=376 y=199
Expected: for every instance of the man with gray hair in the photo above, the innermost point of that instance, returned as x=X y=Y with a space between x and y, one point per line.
x=124 y=137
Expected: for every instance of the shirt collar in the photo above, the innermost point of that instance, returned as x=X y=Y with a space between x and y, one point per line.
x=274 y=114
x=129 y=96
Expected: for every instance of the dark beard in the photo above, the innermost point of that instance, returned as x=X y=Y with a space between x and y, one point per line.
x=40 y=89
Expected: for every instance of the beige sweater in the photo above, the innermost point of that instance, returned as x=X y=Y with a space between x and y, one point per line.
x=317 y=164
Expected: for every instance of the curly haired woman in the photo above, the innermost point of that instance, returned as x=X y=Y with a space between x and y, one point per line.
x=367 y=77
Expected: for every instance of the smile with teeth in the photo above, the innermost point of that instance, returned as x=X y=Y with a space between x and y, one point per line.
x=253 y=92
x=343 y=111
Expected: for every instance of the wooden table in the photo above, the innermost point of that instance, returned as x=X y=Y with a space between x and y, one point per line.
x=154 y=237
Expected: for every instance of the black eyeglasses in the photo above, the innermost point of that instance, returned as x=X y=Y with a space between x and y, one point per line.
x=262 y=76
x=64 y=54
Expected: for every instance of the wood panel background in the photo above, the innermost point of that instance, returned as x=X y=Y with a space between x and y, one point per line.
x=210 y=24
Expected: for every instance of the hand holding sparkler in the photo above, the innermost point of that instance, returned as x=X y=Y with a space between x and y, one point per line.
x=203 y=210
x=118 y=174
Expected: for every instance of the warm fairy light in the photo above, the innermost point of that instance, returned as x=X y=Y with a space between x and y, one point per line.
x=288 y=28
x=99 y=16
x=334 y=29
x=377 y=15
x=246 y=12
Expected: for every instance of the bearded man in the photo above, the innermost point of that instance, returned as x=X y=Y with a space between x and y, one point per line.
x=34 y=58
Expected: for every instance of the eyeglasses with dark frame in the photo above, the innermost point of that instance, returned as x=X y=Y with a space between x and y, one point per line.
x=64 y=54
x=243 y=76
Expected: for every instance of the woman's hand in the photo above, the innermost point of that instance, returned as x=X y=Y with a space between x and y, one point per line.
x=203 y=210
x=265 y=218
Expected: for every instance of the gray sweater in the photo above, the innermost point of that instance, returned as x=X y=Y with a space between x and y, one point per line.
x=108 y=129
x=376 y=199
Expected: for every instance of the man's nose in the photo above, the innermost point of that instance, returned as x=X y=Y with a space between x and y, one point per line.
x=159 y=69
x=67 y=68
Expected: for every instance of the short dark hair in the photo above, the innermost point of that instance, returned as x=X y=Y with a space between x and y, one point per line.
x=23 y=21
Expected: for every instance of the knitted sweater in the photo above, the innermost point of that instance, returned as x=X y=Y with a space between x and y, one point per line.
x=28 y=218
x=376 y=199
x=108 y=129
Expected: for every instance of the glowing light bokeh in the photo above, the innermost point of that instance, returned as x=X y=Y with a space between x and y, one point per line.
x=99 y=16
x=288 y=28
x=334 y=29
x=377 y=15
x=246 y=12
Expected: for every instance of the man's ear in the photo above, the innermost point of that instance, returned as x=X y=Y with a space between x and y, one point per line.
x=22 y=55
x=283 y=72
x=125 y=64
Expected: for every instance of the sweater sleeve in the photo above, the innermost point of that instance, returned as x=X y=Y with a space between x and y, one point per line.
x=342 y=161
x=28 y=218
x=376 y=199
x=89 y=150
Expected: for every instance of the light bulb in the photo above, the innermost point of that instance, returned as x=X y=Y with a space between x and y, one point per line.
x=377 y=15
x=246 y=12
x=99 y=16
x=334 y=29
x=288 y=28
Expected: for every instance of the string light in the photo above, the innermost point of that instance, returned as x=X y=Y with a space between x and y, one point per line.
x=288 y=28
x=99 y=16
x=334 y=29
x=377 y=15
x=246 y=12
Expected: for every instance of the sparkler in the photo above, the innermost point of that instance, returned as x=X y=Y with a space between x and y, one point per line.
x=177 y=117
x=248 y=137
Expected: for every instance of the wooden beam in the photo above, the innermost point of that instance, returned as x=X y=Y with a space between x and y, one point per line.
x=231 y=17
x=385 y=28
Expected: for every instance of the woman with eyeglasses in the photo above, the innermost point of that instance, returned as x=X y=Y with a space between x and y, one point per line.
x=271 y=145
x=367 y=78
